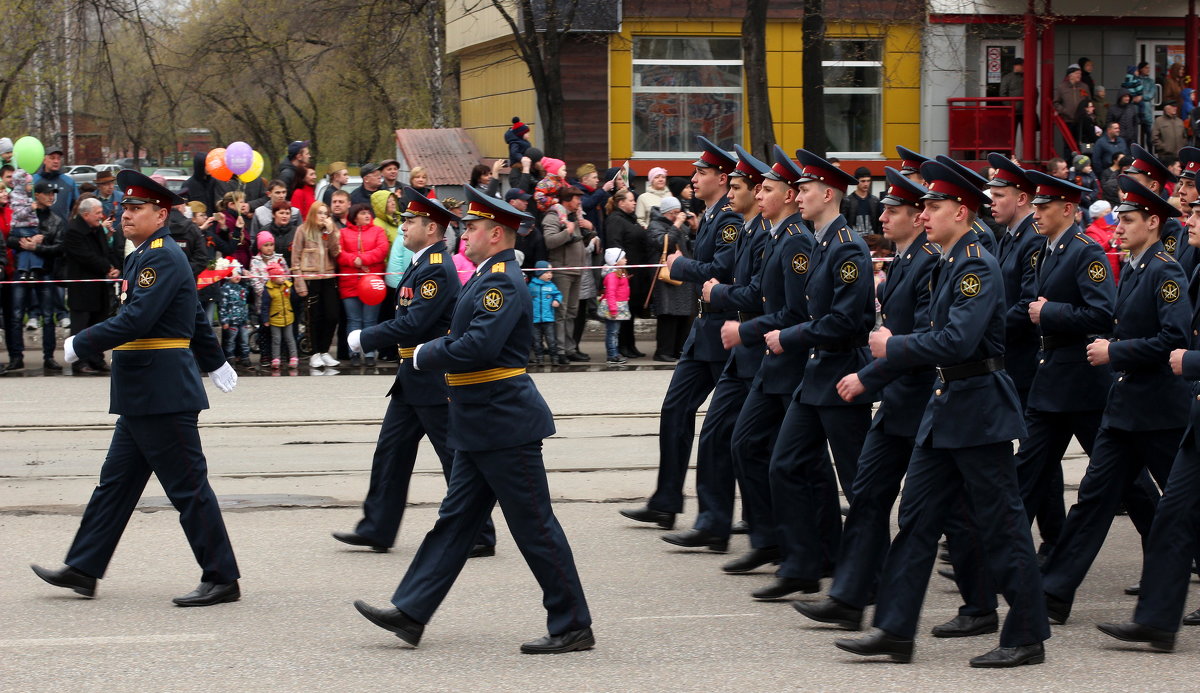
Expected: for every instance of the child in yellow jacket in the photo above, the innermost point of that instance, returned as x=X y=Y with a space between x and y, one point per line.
x=278 y=314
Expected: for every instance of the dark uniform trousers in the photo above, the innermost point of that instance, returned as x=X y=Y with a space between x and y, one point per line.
x=169 y=446
x=753 y=445
x=1171 y=546
x=516 y=477
x=691 y=383
x=714 y=464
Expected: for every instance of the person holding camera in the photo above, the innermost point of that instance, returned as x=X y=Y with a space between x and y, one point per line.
x=570 y=241
x=675 y=305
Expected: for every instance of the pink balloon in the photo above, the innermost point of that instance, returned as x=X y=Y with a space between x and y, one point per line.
x=239 y=156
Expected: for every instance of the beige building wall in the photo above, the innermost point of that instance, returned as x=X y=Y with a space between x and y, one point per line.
x=472 y=23
x=495 y=86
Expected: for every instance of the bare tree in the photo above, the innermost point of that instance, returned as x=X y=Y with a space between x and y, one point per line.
x=754 y=63
x=813 y=97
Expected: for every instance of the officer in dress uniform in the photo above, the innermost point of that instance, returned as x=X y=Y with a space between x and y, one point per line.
x=910 y=164
x=1146 y=413
x=956 y=447
x=904 y=299
x=1167 y=565
x=987 y=239
x=697 y=371
x=715 y=474
x=1186 y=191
x=418 y=408
x=841 y=312
x=782 y=280
x=159 y=337
x=1150 y=172
x=497 y=421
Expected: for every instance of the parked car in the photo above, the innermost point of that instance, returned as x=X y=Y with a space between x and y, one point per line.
x=82 y=173
x=107 y=167
x=168 y=172
x=352 y=183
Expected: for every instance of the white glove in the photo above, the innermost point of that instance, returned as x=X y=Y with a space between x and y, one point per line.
x=354 y=342
x=69 y=350
x=225 y=378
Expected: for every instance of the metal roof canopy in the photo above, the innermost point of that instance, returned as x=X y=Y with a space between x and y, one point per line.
x=448 y=154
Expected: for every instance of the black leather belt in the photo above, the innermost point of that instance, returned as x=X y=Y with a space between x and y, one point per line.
x=1050 y=342
x=855 y=343
x=706 y=309
x=747 y=317
x=971 y=369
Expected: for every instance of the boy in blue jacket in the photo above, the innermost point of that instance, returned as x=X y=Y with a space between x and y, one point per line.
x=546 y=297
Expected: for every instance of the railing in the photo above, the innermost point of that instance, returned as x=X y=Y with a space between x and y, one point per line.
x=979 y=125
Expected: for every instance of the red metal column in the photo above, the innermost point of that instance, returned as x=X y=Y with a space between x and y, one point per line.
x=1029 y=112
x=1048 y=83
x=1191 y=61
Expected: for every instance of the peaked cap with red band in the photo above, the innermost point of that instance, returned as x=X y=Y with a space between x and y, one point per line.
x=1051 y=189
x=480 y=206
x=748 y=167
x=967 y=174
x=1147 y=164
x=819 y=169
x=910 y=161
x=1009 y=175
x=901 y=190
x=712 y=156
x=784 y=169
x=139 y=189
x=417 y=205
x=1189 y=159
x=1136 y=197
x=945 y=183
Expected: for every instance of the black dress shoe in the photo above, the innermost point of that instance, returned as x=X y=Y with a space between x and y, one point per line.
x=1192 y=619
x=633 y=353
x=664 y=358
x=697 y=539
x=782 y=587
x=102 y=367
x=878 y=643
x=1135 y=632
x=68 y=577
x=482 y=551
x=571 y=641
x=17 y=364
x=948 y=573
x=394 y=620
x=561 y=360
x=964 y=626
x=1005 y=657
x=740 y=527
x=51 y=365
x=1057 y=610
x=1134 y=590
x=84 y=370
x=830 y=610
x=359 y=540
x=752 y=560
x=209 y=593
x=578 y=357
x=647 y=514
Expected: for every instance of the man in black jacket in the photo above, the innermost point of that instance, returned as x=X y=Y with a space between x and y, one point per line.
x=189 y=238
x=89 y=256
x=48 y=243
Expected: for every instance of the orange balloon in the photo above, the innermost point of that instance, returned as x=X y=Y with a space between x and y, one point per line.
x=214 y=164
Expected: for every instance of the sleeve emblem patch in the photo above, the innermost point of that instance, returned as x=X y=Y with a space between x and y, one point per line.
x=1170 y=291
x=970 y=285
x=848 y=272
x=146 y=278
x=800 y=263
x=729 y=234
x=429 y=289
x=1097 y=272
x=493 y=300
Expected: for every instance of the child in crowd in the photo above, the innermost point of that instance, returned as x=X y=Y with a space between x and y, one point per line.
x=546 y=297
x=614 y=304
x=546 y=192
x=235 y=316
x=278 y=314
x=258 y=281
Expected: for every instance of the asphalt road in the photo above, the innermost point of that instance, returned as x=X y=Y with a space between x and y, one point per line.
x=290 y=457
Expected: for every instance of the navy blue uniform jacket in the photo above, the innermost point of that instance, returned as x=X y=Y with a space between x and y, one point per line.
x=159 y=302
x=841 y=311
x=713 y=257
x=492 y=327
x=744 y=293
x=904 y=297
x=1152 y=318
x=424 y=301
x=1191 y=370
x=1017 y=266
x=1080 y=294
x=966 y=315
x=1175 y=242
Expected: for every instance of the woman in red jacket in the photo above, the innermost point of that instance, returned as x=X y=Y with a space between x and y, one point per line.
x=364 y=251
x=305 y=194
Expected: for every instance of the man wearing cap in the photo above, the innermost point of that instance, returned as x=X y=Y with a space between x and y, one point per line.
x=1146 y=412
x=699 y=368
x=338 y=175
x=1185 y=189
x=158 y=338
x=372 y=181
x=860 y=207
x=1147 y=170
x=840 y=309
x=497 y=421
x=51 y=172
x=389 y=169
x=780 y=289
x=956 y=448
x=910 y=164
x=6 y=150
x=289 y=170
x=1012 y=85
x=1168 y=133
x=987 y=239
x=1169 y=548
x=714 y=466
x=418 y=408
x=106 y=190
x=904 y=298
x=1068 y=94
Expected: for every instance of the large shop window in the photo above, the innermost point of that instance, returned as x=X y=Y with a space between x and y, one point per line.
x=853 y=97
x=683 y=87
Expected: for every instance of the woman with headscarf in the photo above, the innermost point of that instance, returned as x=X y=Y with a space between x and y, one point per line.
x=656 y=190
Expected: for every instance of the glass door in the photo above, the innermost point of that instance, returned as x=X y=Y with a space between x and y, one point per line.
x=996 y=58
x=1161 y=54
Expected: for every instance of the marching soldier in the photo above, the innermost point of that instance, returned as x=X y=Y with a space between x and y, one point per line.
x=841 y=310
x=785 y=270
x=956 y=446
x=1150 y=172
x=987 y=239
x=910 y=164
x=1146 y=413
x=904 y=297
x=418 y=407
x=158 y=338
x=697 y=371
x=715 y=477
x=484 y=357
x=1167 y=565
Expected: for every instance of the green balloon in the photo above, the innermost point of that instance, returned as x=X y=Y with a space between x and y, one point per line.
x=28 y=153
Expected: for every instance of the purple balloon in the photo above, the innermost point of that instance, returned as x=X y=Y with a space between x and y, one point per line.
x=239 y=157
